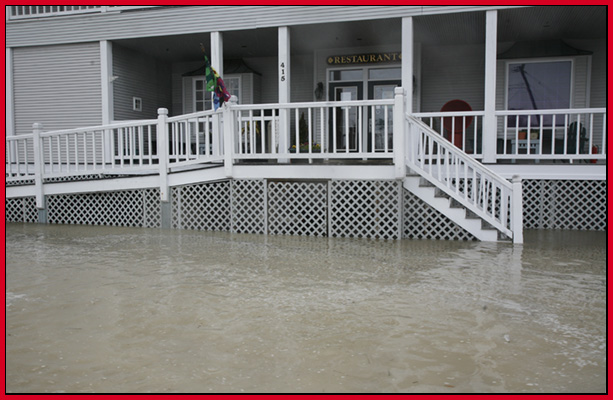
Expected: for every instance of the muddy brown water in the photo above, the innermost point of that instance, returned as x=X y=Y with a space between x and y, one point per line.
x=108 y=309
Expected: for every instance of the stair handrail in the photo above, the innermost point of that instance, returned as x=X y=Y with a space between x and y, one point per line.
x=424 y=146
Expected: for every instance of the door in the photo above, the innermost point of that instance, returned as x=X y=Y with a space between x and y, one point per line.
x=344 y=120
x=383 y=135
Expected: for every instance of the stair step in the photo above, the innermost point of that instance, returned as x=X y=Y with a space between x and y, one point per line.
x=450 y=207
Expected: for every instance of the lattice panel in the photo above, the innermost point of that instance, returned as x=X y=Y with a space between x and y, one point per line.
x=368 y=209
x=248 y=200
x=298 y=208
x=202 y=207
x=565 y=204
x=21 y=209
x=422 y=221
x=138 y=208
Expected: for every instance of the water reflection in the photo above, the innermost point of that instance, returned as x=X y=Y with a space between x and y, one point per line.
x=101 y=309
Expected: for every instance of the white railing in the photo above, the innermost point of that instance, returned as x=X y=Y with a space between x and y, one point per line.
x=462 y=128
x=125 y=146
x=349 y=129
x=574 y=134
x=480 y=190
x=19 y=158
x=195 y=138
x=23 y=12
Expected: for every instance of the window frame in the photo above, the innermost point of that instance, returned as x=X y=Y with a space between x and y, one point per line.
x=535 y=61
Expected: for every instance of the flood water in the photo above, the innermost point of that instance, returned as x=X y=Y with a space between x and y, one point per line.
x=105 y=309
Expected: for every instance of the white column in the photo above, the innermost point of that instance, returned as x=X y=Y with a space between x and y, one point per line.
x=399 y=132
x=9 y=106
x=217 y=52
x=106 y=80
x=162 y=149
x=407 y=62
x=518 y=216
x=490 y=126
x=284 y=89
x=39 y=166
x=217 y=63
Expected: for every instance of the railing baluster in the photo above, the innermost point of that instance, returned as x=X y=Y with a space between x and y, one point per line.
x=372 y=129
x=604 y=134
x=385 y=129
x=553 y=134
x=85 y=151
x=360 y=129
x=263 y=132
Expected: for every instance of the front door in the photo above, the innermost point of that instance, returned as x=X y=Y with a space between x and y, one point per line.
x=381 y=90
x=344 y=120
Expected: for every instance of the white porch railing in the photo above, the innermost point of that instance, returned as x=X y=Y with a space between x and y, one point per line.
x=480 y=190
x=23 y=12
x=348 y=129
x=195 y=138
x=462 y=128
x=574 y=134
x=19 y=158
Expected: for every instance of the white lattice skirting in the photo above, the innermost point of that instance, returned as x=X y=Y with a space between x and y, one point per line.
x=137 y=208
x=337 y=208
x=565 y=204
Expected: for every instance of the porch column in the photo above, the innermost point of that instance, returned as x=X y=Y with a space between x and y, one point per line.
x=217 y=64
x=106 y=76
x=106 y=82
x=407 y=62
x=9 y=110
x=490 y=126
x=217 y=52
x=284 y=89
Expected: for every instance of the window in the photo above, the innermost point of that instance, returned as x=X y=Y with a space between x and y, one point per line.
x=346 y=75
x=538 y=86
x=203 y=99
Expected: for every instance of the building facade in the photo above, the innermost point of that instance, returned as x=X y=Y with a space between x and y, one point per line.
x=514 y=79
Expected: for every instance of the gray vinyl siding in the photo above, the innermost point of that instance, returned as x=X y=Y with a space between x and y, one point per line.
x=192 y=19
x=58 y=86
x=269 y=86
x=452 y=72
x=301 y=79
x=141 y=76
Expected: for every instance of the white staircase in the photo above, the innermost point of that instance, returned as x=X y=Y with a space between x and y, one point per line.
x=460 y=187
x=450 y=208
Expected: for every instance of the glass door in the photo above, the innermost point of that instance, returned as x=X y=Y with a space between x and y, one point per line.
x=344 y=120
x=381 y=90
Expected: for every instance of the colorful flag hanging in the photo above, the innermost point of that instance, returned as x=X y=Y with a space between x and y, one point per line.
x=215 y=84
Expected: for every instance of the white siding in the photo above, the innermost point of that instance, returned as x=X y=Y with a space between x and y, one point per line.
x=452 y=72
x=193 y=19
x=58 y=86
x=139 y=76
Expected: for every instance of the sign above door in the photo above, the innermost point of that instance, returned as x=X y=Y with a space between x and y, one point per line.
x=370 y=58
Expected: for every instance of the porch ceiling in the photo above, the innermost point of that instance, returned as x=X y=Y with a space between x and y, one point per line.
x=518 y=24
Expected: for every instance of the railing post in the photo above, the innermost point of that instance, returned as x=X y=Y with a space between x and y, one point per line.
x=228 y=136
x=39 y=170
x=163 y=156
x=517 y=211
x=399 y=133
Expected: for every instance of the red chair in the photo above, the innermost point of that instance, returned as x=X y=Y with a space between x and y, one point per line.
x=457 y=124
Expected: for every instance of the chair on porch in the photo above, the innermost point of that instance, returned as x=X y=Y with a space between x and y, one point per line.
x=455 y=127
x=571 y=140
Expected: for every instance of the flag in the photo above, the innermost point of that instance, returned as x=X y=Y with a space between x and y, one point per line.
x=215 y=84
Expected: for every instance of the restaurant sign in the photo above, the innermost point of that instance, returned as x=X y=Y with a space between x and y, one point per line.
x=370 y=58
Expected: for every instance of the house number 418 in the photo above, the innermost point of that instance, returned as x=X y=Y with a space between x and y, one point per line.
x=282 y=72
